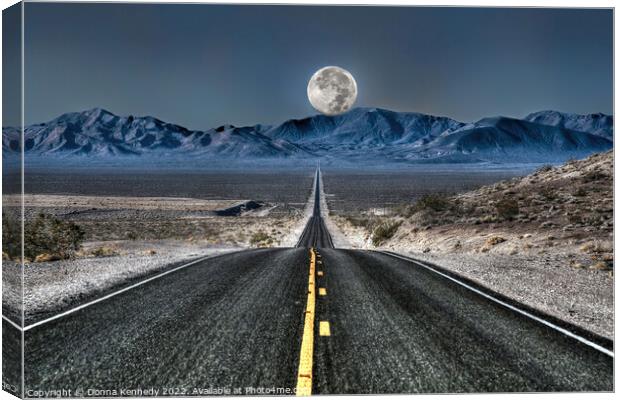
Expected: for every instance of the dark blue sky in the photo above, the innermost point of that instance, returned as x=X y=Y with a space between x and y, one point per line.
x=204 y=65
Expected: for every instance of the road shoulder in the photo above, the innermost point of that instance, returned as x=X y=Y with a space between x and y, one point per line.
x=54 y=287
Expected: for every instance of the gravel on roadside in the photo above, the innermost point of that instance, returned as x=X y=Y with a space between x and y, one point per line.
x=52 y=287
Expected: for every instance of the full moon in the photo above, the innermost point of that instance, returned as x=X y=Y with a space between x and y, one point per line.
x=332 y=90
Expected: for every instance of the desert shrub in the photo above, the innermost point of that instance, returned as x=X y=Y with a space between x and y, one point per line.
x=548 y=193
x=493 y=240
x=575 y=218
x=593 y=176
x=544 y=168
x=580 y=192
x=600 y=265
x=433 y=202
x=11 y=237
x=47 y=234
x=596 y=247
x=259 y=238
x=507 y=208
x=490 y=242
x=384 y=231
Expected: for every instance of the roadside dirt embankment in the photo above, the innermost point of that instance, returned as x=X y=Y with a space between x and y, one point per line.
x=545 y=239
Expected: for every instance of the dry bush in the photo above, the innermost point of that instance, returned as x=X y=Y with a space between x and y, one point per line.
x=548 y=193
x=593 y=176
x=493 y=240
x=47 y=234
x=11 y=237
x=384 y=231
x=260 y=238
x=544 y=168
x=490 y=242
x=580 y=192
x=433 y=202
x=507 y=208
x=600 y=266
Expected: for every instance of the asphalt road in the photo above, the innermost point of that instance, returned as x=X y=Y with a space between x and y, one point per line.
x=237 y=321
x=316 y=233
x=232 y=321
x=398 y=328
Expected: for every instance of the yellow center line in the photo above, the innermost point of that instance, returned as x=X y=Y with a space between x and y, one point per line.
x=320 y=273
x=304 y=374
x=322 y=291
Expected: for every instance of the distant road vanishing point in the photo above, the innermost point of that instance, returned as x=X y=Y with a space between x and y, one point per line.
x=311 y=320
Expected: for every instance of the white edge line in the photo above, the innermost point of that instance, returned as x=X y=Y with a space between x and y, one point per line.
x=90 y=303
x=12 y=323
x=513 y=308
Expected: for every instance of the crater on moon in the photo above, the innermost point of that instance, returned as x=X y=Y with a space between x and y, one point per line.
x=332 y=90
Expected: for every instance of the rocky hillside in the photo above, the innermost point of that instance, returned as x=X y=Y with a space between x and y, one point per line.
x=544 y=240
x=566 y=210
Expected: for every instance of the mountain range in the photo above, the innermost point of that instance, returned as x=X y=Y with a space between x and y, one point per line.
x=361 y=135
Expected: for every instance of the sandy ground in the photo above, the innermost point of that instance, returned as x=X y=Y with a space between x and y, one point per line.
x=296 y=229
x=339 y=239
x=110 y=202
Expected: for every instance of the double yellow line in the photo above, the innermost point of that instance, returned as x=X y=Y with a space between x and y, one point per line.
x=304 y=374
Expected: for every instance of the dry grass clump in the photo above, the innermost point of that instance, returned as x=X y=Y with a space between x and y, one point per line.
x=490 y=242
x=600 y=266
x=384 y=232
x=493 y=240
x=601 y=253
x=596 y=247
x=46 y=257
x=261 y=239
